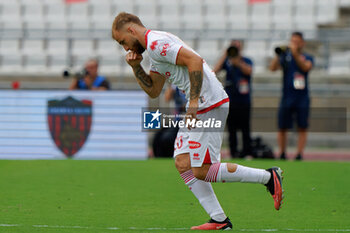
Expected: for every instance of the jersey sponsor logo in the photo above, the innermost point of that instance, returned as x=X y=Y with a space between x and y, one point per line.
x=163 y=53
x=69 y=123
x=196 y=156
x=153 y=45
x=194 y=144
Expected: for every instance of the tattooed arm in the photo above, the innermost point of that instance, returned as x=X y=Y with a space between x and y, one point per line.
x=153 y=83
x=194 y=65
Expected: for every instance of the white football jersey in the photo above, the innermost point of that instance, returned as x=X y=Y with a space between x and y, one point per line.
x=163 y=49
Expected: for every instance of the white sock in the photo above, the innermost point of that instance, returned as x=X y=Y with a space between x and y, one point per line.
x=218 y=172
x=205 y=195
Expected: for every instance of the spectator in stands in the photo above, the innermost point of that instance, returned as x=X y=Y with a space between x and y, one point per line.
x=91 y=79
x=238 y=87
x=295 y=99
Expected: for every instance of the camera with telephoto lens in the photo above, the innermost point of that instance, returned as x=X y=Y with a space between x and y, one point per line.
x=281 y=50
x=232 y=52
x=68 y=73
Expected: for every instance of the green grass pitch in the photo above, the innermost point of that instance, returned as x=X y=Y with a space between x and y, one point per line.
x=149 y=196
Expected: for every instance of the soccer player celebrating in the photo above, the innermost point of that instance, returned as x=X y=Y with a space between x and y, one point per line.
x=197 y=153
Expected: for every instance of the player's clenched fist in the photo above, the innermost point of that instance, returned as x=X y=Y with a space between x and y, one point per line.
x=133 y=59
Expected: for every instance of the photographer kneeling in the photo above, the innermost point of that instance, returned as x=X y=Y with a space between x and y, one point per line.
x=88 y=78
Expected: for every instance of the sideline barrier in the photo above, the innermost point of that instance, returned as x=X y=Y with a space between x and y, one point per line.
x=72 y=124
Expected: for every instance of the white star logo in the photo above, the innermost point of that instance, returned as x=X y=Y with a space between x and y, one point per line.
x=156 y=115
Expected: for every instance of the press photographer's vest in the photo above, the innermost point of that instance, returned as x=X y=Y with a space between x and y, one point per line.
x=97 y=83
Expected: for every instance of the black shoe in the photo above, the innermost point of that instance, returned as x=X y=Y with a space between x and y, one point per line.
x=214 y=225
x=274 y=186
x=283 y=156
x=299 y=157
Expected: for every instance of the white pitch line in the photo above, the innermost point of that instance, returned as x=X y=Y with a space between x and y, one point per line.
x=71 y=227
x=178 y=229
x=9 y=225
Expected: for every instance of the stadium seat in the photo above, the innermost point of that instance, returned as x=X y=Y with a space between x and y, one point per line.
x=169 y=15
x=57 y=47
x=13 y=29
x=55 y=13
x=78 y=12
x=35 y=29
x=261 y=14
x=238 y=20
x=108 y=47
x=150 y=21
x=209 y=51
x=214 y=9
x=326 y=11
x=110 y=64
x=215 y=17
x=194 y=20
x=257 y=51
x=237 y=4
x=57 y=63
x=282 y=16
x=33 y=12
x=339 y=63
x=122 y=5
x=308 y=29
x=101 y=29
x=101 y=13
x=304 y=12
x=301 y=3
x=344 y=3
x=148 y=13
x=35 y=63
x=11 y=12
x=260 y=30
x=96 y=3
x=30 y=2
x=190 y=43
x=9 y=46
x=57 y=30
x=11 y=63
x=78 y=62
x=80 y=29
x=305 y=18
x=81 y=51
x=282 y=2
x=259 y=64
x=54 y=2
x=255 y=48
x=82 y=48
x=192 y=15
x=33 y=47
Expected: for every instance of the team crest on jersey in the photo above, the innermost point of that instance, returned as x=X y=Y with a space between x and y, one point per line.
x=153 y=45
x=69 y=122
